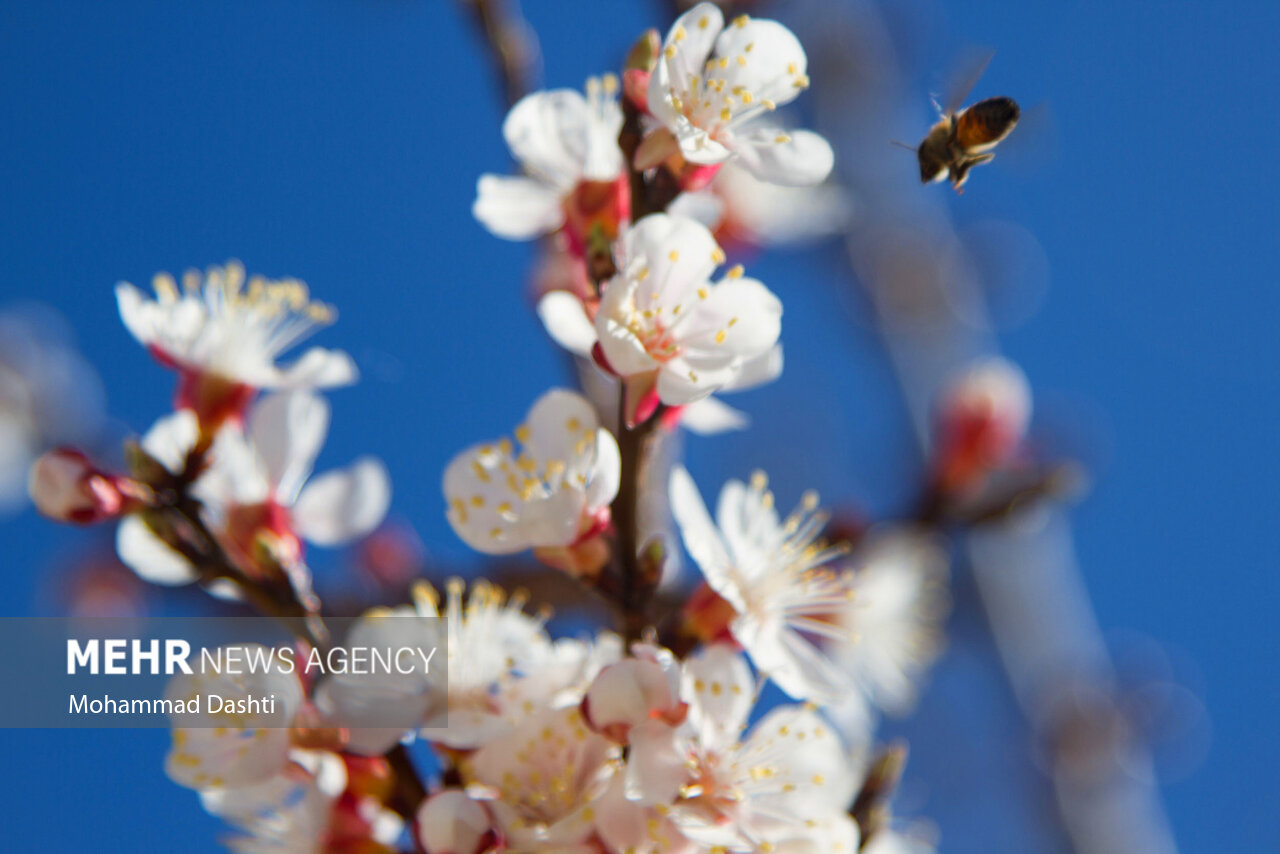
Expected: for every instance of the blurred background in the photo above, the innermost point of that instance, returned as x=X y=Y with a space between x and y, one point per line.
x=1127 y=251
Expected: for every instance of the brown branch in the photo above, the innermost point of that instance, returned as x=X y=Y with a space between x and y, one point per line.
x=275 y=597
x=635 y=579
x=629 y=141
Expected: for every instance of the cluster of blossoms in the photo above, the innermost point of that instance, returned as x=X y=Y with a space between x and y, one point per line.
x=244 y=461
x=648 y=740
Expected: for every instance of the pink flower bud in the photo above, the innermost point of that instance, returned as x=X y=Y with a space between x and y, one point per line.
x=634 y=691
x=635 y=85
x=65 y=486
x=452 y=823
x=982 y=420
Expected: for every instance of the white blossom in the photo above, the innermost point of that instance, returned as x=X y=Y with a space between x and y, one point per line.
x=786 y=780
x=892 y=621
x=568 y=323
x=213 y=748
x=543 y=780
x=642 y=687
x=258 y=484
x=740 y=208
x=567 y=146
x=552 y=492
x=773 y=573
x=300 y=811
x=222 y=334
x=287 y=813
x=501 y=667
x=666 y=328
x=712 y=85
x=375 y=709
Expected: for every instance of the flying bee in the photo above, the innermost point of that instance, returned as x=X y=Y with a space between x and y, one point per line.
x=964 y=139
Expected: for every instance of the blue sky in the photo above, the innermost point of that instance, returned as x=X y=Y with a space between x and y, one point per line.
x=340 y=142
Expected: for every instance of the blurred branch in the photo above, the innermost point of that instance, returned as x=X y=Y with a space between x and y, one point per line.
x=1000 y=502
x=1035 y=600
x=513 y=45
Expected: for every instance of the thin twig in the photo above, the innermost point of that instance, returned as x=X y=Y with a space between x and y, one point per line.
x=513 y=46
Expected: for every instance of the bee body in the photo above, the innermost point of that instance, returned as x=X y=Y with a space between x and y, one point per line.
x=963 y=140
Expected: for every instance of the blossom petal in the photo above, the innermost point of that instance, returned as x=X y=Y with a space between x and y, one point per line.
x=546 y=131
x=765 y=59
x=606 y=473
x=656 y=769
x=701 y=539
x=685 y=49
x=795 y=159
x=567 y=323
x=710 y=416
x=317 y=368
x=834 y=832
x=237 y=475
x=678 y=253
x=222 y=749
x=342 y=505
x=720 y=692
x=748 y=520
x=149 y=556
x=450 y=821
x=288 y=429
x=704 y=206
x=792 y=662
x=739 y=318
x=757 y=371
x=486 y=507
x=557 y=424
x=517 y=208
x=135 y=312
x=817 y=777
x=700 y=26
x=554 y=521
x=773 y=215
x=171 y=438
x=635 y=828
x=685 y=380
x=622 y=349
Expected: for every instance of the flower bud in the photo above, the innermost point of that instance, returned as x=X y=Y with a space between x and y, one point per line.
x=65 y=486
x=633 y=691
x=643 y=55
x=452 y=823
x=982 y=420
x=584 y=558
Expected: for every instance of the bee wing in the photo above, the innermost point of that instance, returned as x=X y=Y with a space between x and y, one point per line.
x=964 y=76
x=1036 y=146
x=987 y=122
